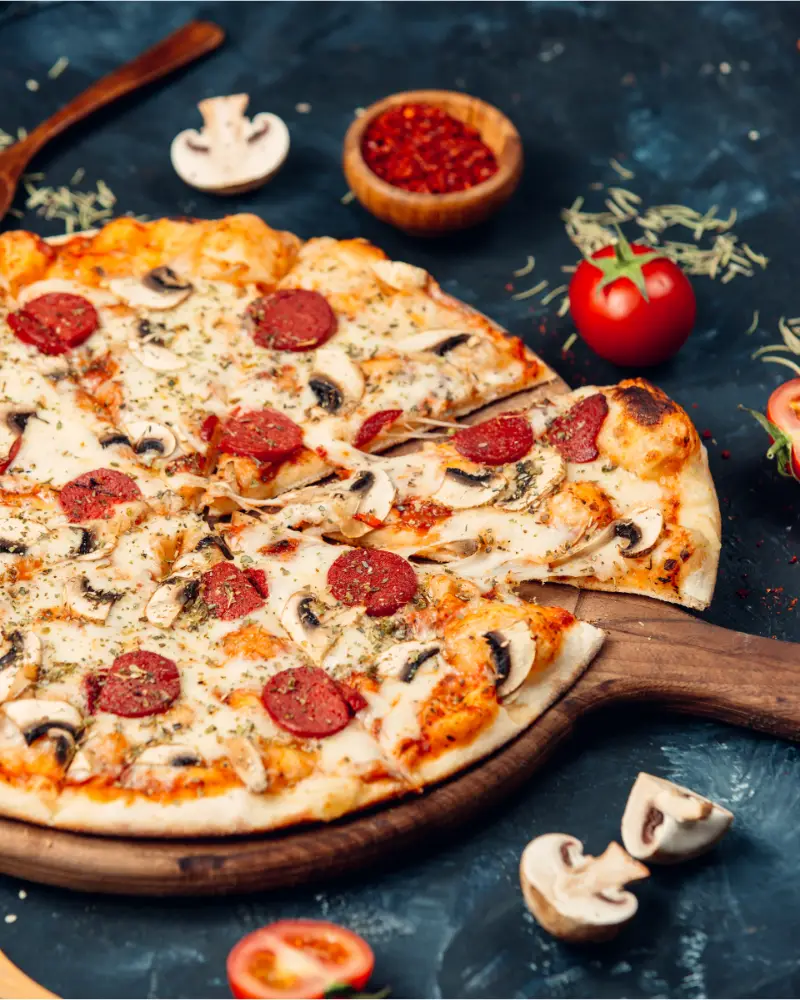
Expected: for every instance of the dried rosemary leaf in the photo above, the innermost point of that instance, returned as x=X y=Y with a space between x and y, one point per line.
x=529 y=266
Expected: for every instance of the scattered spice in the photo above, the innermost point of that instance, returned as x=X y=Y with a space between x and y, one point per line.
x=569 y=342
x=11 y=918
x=529 y=266
x=77 y=209
x=32 y=85
x=725 y=454
x=625 y=174
x=58 y=67
x=530 y=292
x=754 y=325
x=790 y=333
x=422 y=148
x=347 y=197
x=302 y=108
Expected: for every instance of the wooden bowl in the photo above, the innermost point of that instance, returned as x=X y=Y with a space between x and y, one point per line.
x=434 y=214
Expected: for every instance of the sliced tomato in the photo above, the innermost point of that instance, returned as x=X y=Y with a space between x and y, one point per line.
x=298 y=958
x=782 y=423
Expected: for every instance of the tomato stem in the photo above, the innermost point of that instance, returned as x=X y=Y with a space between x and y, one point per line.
x=624 y=264
x=782 y=444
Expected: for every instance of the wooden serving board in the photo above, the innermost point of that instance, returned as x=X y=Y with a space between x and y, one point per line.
x=654 y=652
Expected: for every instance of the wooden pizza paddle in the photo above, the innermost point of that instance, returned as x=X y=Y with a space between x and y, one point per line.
x=654 y=653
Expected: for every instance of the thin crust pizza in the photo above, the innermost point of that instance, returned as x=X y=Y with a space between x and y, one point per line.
x=202 y=636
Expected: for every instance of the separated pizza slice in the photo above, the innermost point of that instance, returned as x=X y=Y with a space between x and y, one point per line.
x=252 y=677
x=604 y=488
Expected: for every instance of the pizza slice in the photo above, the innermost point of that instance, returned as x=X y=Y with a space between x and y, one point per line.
x=604 y=488
x=206 y=682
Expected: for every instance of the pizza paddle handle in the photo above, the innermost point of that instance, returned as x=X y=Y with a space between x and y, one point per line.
x=658 y=653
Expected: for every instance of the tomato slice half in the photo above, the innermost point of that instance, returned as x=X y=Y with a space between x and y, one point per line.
x=783 y=408
x=298 y=958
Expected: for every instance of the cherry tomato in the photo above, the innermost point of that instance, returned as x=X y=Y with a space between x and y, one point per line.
x=298 y=958
x=631 y=305
x=782 y=423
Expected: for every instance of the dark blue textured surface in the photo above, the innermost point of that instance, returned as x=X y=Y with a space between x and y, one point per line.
x=583 y=83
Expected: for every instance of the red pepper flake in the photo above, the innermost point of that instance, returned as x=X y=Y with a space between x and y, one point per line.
x=706 y=435
x=419 y=147
x=725 y=454
x=742 y=593
x=793 y=560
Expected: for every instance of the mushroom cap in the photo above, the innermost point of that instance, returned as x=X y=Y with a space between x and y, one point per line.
x=230 y=154
x=576 y=897
x=667 y=823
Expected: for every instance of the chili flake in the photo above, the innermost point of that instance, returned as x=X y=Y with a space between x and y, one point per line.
x=422 y=148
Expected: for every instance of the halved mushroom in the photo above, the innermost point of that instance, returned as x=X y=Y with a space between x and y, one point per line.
x=533 y=479
x=403 y=660
x=87 y=601
x=577 y=897
x=400 y=276
x=513 y=652
x=336 y=379
x=156 y=357
x=462 y=490
x=169 y=599
x=19 y=665
x=160 y=288
x=170 y=755
x=439 y=342
x=150 y=440
x=667 y=823
x=230 y=154
x=247 y=763
x=36 y=718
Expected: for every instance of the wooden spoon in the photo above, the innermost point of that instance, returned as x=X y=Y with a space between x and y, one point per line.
x=14 y=983
x=193 y=40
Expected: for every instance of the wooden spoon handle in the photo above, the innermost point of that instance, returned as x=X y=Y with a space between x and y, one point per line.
x=14 y=983
x=658 y=653
x=195 y=39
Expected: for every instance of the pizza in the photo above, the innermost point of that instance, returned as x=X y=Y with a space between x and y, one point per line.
x=604 y=488
x=222 y=609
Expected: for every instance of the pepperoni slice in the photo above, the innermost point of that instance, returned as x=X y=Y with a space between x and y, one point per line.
x=95 y=494
x=138 y=684
x=355 y=699
x=228 y=592
x=293 y=319
x=92 y=686
x=265 y=435
x=575 y=432
x=503 y=439
x=12 y=454
x=208 y=426
x=381 y=581
x=258 y=578
x=306 y=701
x=55 y=322
x=373 y=425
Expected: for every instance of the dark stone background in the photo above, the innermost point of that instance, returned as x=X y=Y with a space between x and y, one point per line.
x=583 y=82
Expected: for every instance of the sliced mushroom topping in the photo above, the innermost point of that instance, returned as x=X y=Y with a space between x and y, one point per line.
x=439 y=342
x=247 y=763
x=336 y=379
x=462 y=490
x=11 y=548
x=448 y=551
x=533 y=479
x=160 y=288
x=578 y=897
x=19 y=665
x=169 y=599
x=377 y=492
x=217 y=541
x=640 y=531
x=403 y=660
x=156 y=357
x=17 y=420
x=169 y=755
x=634 y=535
x=36 y=718
x=513 y=651
x=87 y=601
x=117 y=438
x=72 y=542
x=400 y=276
x=302 y=620
x=151 y=440
x=667 y=823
